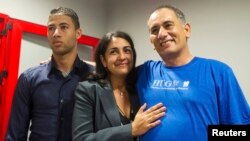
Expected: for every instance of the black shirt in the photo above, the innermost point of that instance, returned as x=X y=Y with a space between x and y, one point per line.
x=125 y=120
x=45 y=98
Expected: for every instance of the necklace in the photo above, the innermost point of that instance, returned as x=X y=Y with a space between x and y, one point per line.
x=121 y=92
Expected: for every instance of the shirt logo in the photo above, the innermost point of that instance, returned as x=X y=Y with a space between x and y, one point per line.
x=170 y=84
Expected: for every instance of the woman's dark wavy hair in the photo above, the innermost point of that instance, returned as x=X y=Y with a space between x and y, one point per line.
x=101 y=72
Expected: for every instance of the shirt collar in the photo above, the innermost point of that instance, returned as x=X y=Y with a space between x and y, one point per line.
x=52 y=65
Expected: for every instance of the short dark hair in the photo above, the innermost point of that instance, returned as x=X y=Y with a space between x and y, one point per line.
x=179 y=14
x=68 y=12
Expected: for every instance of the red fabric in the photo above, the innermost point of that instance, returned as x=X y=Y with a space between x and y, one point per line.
x=3 y=40
x=10 y=48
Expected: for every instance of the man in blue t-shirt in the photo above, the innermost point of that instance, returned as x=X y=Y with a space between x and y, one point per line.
x=196 y=91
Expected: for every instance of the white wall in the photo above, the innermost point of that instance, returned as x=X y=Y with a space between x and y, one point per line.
x=34 y=49
x=220 y=30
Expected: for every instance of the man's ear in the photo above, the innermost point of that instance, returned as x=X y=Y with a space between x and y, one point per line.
x=78 y=33
x=187 y=28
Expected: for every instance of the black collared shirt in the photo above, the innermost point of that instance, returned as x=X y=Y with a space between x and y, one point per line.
x=45 y=98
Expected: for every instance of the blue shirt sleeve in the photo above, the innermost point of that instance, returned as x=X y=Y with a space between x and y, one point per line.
x=234 y=108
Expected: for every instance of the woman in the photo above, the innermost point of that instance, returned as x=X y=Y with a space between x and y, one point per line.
x=106 y=104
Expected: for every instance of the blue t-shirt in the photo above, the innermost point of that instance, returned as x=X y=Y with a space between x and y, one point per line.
x=200 y=93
